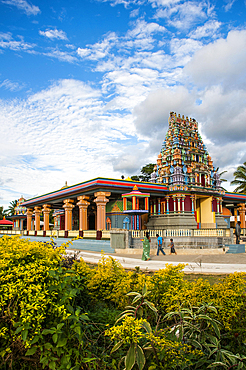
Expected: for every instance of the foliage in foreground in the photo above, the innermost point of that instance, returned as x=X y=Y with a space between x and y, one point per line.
x=58 y=315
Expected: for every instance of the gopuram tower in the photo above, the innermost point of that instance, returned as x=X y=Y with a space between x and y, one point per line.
x=194 y=198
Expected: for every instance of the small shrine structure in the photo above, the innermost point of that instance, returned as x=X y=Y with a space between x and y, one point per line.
x=138 y=208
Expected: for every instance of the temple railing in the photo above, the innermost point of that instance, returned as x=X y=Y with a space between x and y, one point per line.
x=92 y=234
x=183 y=233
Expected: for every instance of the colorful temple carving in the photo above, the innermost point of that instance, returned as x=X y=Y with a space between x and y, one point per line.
x=185 y=167
x=184 y=159
x=184 y=193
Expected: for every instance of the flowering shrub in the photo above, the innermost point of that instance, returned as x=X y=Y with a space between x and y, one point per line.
x=38 y=317
x=54 y=314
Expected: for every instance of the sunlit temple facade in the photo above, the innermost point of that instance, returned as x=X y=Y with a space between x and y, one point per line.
x=184 y=192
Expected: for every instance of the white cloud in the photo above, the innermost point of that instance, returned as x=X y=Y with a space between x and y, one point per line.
x=139 y=37
x=54 y=34
x=209 y=29
x=126 y=3
x=164 y=3
x=23 y=5
x=134 y=13
x=61 y=55
x=222 y=62
x=144 y=29
x=223 y=115
x=184 y=16
x=229 y=5
x=152 y=114
x=183 y=50
x=62 y=133
x=7 y=42
x=100 y=49
x=10 y=85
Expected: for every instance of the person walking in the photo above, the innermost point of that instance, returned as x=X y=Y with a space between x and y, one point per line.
x=146 y=247
x=238 y=232
x=172 y=248
x=159 y=245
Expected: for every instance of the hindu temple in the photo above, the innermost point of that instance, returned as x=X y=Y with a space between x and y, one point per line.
x=183 y=197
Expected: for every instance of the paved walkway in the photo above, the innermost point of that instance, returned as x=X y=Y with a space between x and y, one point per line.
x=199 y=264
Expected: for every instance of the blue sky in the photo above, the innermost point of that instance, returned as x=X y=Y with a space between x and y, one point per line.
x=86 y=87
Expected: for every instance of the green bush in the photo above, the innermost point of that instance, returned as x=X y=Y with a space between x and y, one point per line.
x=53 y=315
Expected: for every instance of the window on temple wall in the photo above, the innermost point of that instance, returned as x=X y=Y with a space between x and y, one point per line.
x=126 y=223
x=108 y=224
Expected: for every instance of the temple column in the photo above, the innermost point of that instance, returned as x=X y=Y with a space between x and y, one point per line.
x=29 y=213
x=155 y=207
x=174 y=203
x=218 y=205
x=183 y=199
x=220 y=201
x=192 y=197
x=101 y=202
x=83 y=206
x=146 y=203
x=46 y=212
x=37 y=212
x=151 y=207
x=235 y=216
x=242 y=214
x=125 y=204
x=163 y=208
x=159 y=206
x=200 y=179
x=68 y=206
x=167 y=199
x=178 y=198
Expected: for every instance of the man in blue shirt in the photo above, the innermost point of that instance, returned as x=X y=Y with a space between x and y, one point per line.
x=159 y=245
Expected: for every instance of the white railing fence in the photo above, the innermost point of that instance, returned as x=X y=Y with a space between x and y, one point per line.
x=183 y=232
x=92 y=234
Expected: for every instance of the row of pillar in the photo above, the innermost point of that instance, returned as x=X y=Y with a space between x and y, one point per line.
x=162 y=207
x=83 y=203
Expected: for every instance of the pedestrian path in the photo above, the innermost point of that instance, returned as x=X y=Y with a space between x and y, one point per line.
x=193 y=264
x=83 y=244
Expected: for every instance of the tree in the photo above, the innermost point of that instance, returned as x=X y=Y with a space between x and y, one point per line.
x=11 y=210
x=146 y=172
x=240 y=179
x=221 y=174
x=2 y=213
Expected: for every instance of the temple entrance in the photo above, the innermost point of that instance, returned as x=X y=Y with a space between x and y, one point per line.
x=204 y=215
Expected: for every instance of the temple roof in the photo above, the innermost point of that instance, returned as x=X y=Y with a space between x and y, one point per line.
x=184 y=159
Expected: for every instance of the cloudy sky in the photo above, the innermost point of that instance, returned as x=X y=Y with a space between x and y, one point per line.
x=86 y=86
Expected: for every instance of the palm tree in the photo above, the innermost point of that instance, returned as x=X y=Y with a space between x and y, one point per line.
x=2 y=213
x=240 y=179
x=221 y=174
x=11 y=210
